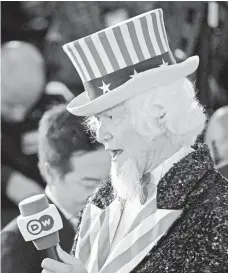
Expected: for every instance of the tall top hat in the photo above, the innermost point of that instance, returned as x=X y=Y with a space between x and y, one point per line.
x=123 y=60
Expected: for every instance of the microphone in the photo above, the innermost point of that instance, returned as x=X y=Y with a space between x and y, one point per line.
x=40 y=222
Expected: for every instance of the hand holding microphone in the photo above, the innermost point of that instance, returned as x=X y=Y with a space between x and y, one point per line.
x=69 y=264
x=40 y=222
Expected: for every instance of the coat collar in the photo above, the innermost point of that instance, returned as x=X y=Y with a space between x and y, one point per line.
x=174 y=188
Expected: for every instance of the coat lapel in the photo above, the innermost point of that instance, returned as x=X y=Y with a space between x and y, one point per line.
x=149 y=226
x=96 y=234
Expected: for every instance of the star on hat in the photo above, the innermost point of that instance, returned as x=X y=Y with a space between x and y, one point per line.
x=105 y=87
x=135 y=73
x=163 y=63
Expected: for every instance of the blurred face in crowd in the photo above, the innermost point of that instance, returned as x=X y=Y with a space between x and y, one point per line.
x=220 y=144
x=128 y=149
x=217 y=135
x=23 y=79
x=87 y=171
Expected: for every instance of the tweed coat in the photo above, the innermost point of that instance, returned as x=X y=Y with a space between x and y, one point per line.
x=198 y=240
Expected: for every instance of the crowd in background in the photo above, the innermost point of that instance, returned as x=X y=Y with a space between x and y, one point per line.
x=37 y=74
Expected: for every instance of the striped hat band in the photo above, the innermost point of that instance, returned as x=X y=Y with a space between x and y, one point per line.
x=108 y=58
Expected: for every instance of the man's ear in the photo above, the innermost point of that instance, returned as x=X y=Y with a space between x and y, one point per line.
x=50 y=174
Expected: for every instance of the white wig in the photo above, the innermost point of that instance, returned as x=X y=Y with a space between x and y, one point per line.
x=171 y=110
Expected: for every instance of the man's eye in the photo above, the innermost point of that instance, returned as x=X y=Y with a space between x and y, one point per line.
x=110 y=117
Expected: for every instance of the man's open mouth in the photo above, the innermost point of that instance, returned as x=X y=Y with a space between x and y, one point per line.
x=115 y=153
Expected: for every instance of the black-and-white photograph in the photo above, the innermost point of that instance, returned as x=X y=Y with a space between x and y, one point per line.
x=114 y=136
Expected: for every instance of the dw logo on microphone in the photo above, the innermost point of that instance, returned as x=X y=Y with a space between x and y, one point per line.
x=45 y=223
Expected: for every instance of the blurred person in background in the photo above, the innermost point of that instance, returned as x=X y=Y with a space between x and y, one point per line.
x=217 y=139
x=73 y=166
x=72 y=163
x=23 y=101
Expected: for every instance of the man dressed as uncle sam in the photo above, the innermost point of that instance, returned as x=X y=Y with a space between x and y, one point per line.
x=165 y=208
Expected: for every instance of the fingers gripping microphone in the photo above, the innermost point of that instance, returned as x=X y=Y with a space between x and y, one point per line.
x=40 y=222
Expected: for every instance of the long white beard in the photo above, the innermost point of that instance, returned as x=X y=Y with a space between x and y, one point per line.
x=126 y=180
